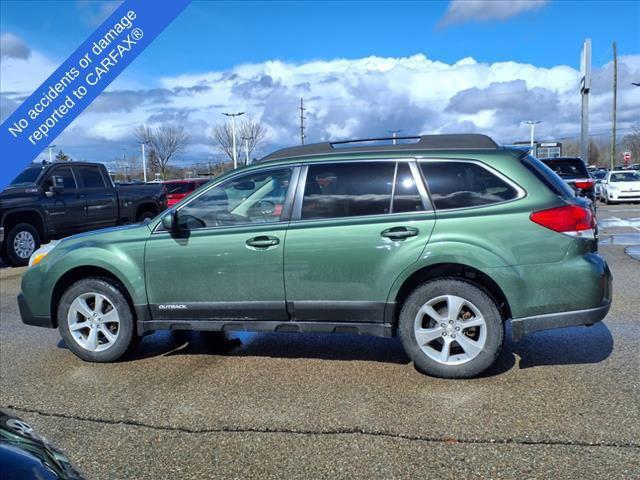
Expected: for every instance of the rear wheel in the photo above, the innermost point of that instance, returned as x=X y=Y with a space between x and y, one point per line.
x=95 y=320
x=22 y=240
x=451 y=328
x=146 y=216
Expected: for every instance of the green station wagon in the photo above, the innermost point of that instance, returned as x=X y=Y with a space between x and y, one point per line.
x=439 y=240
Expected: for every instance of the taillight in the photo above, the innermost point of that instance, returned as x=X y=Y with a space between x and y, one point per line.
x=584 y=184
x=570 y=220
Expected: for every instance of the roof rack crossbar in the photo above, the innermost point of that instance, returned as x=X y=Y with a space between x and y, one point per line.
x=378 y=139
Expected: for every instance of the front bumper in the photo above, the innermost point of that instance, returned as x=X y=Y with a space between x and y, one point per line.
x=524 y=326
x=29 y=318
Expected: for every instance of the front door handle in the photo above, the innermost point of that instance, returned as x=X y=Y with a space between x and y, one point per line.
x=263 y=241
x=399 y=233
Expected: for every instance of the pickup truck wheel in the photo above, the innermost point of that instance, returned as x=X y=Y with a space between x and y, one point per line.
x=146 y=216
x=450 y=328
x=21 y=242
x=95 y=320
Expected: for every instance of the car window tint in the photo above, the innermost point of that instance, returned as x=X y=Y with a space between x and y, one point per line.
x=406 y=197
x=348 y=190
x=91 y=177
x=258 y=197
x=178 y=187
x=567 y=167
x=464 y=184
x=67 y=177
x=552 y=181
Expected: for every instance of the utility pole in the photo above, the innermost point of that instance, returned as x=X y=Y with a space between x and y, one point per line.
x=302 y=118
x=233 y=133
x=615 y=101
x=532 y=124
x=585 y=87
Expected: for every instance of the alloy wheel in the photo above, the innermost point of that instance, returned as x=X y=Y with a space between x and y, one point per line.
x=93 y=322
x=450 y=330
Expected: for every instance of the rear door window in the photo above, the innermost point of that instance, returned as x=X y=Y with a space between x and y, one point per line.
x=354 y=189
x=91 y=177
x=458 y=184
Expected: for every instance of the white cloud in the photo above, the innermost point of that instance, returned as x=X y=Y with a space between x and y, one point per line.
x=345 y=98
x=12 y=46
x=463 y=11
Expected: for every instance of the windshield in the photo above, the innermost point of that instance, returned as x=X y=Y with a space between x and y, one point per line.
x=599 y=175
x=568 y=167
x=27 y=176
x=625 y=177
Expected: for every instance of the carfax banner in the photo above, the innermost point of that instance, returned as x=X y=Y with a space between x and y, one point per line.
x=80 y=79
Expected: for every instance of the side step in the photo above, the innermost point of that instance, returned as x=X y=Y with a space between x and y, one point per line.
x=359 y=328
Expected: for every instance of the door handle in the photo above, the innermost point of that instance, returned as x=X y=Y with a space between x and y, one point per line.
x=263 y=241
x=399 y=233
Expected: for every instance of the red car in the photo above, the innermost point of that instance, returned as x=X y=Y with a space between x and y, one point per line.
x=178 y=189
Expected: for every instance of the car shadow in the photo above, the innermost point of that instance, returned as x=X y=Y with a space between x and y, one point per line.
x=566 y=346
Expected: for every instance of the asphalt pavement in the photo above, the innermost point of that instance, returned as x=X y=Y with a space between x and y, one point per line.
x=558 y=404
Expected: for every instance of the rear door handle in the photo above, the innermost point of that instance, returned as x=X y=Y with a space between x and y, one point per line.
x=263 y=241
x=399 y=233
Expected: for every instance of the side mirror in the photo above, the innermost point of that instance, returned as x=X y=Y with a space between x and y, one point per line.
x=170 y=220
x=57 y=184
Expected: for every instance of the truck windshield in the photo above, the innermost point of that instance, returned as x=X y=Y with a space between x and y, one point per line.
x=29 y=175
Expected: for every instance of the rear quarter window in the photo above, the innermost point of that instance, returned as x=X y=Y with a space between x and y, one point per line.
x=548 y=177
x=459 y=184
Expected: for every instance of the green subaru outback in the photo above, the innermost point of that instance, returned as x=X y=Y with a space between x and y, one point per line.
x=439 y=240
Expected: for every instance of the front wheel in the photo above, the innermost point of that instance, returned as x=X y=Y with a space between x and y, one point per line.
x=450 y=328
x=22 y=240
x=95 y=320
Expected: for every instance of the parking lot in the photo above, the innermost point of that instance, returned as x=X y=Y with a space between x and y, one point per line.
x=558 y=404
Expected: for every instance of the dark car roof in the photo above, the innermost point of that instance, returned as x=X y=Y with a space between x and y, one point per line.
x=423 y=143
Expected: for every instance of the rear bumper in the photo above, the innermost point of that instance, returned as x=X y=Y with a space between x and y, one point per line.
x=29 y=318
x=524 y=326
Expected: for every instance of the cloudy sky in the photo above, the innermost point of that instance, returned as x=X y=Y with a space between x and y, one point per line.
x=363 y=68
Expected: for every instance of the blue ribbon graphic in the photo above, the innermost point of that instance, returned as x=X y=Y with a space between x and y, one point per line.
x=80 y=79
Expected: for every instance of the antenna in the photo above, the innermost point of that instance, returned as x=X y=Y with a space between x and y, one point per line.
x=302 y=118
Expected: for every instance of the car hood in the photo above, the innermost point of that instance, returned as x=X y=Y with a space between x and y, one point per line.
x=110 y=235
x=627 y=185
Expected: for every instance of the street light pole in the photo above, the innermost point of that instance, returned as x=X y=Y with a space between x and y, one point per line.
x=532 y=124
x=394 y=134
x=50 y=147
x=233 y=133
x=144 y=161
x=246 y=148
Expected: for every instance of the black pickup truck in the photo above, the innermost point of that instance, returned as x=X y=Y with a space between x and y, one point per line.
x=54 y=200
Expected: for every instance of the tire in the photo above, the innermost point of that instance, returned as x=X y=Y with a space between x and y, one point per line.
x=101 y=347
x=146 y=215
x=22 y=240
x=484 y=335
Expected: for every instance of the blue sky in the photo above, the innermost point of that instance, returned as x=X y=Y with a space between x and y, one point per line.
x=527 y=51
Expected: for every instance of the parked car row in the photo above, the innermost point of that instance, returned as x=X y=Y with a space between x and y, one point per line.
x=53 y=200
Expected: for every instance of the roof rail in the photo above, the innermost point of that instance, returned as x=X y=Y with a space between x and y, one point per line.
x=450 y=141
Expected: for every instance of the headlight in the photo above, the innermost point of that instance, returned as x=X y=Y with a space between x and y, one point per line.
x=42 y=252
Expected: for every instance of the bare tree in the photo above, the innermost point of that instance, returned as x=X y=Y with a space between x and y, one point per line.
x=631 y=142
x=252 y=130
x=165 y=142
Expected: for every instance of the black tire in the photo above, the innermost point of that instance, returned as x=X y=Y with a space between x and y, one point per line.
x=468 y=291
x=17 y=258
x=126 y=337
x=146 y=215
